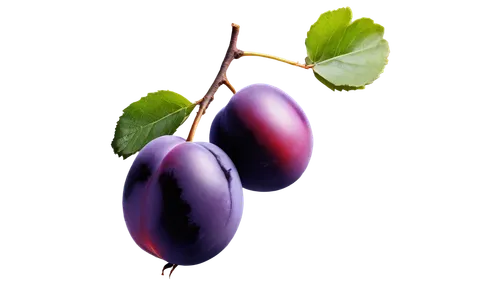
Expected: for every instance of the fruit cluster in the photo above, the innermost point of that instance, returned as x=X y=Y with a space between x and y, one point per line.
x=183 y=201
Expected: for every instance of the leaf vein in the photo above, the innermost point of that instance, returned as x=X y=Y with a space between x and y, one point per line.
x=349 y=54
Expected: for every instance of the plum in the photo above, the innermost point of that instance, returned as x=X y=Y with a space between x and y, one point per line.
x=182 y=201
x=267 y=136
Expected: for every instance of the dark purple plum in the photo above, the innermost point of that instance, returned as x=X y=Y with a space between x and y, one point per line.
x=182 y=201
x=267 y=136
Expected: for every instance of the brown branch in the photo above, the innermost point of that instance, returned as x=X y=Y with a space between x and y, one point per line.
x=220 y=79
x=227 y=84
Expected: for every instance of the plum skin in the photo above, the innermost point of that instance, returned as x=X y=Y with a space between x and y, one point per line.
x=182 y=201
x=267 y=136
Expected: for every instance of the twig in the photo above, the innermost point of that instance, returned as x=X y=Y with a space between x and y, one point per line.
x=231 y=53
x=266 y=56
x=227 y=84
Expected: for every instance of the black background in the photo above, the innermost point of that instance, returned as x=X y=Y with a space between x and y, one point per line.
x=347 y=220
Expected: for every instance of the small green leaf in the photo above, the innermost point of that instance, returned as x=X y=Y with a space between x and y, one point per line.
x=346 y=54
x=157 y=114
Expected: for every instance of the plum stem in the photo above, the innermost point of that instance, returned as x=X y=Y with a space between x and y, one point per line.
x=251 y=53
x=171 y=271
x=195 y=102
x=168 y=265
x=228 y=84
x=220 y=79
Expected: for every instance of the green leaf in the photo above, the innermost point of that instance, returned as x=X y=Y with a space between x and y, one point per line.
x=346 y=54
x=157 y=114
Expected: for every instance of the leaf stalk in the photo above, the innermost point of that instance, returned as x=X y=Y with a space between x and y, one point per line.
x=277 y=59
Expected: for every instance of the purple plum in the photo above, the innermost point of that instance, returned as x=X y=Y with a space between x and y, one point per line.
x=267 y=136
x=182 y=201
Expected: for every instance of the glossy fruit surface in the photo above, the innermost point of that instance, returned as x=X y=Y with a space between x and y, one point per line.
x=182 y=201
x=267 y=136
